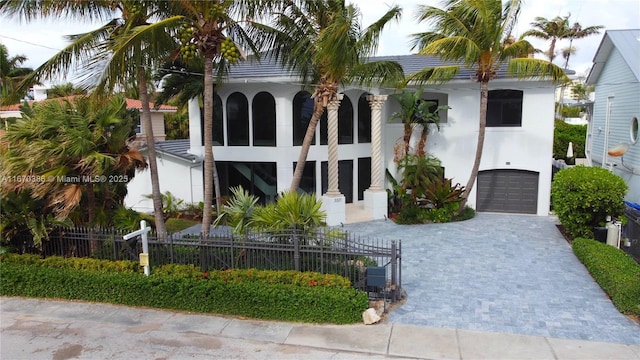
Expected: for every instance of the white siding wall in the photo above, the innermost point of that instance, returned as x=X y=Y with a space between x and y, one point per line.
x=617 y=83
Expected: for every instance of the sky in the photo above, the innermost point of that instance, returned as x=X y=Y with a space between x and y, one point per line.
x=40 y=40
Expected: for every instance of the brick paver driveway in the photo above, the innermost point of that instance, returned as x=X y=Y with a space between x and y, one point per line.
x=502 y=273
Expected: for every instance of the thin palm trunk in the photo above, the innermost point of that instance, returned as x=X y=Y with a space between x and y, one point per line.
x=318 y=110
x=408 y=130
x=423 y=140
x=484 y=94
x=151 y=150
x=210 y=171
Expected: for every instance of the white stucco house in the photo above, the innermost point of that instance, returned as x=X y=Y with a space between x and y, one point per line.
x=262 y=112
x=612 y=135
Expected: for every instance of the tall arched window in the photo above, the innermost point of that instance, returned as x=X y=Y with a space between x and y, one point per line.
x=302 y=112
x=345 y=123
x=263 y=110
x=364 y=119
x=237 y=120
x=218 y=127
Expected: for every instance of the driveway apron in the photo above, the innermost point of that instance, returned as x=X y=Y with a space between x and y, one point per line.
x=499 y=273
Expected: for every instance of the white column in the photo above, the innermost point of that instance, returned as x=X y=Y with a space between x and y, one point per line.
x=333 y=202
x=332 y=142
x=195 y=130
x=375 y=198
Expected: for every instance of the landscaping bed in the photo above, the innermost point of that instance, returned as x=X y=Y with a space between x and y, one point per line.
x=269 y=295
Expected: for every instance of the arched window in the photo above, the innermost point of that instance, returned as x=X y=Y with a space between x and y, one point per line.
x=364 y=119
x=263 y=110
x=237 y=120
x=345 y=123
x=302 y=112
x=218 y=127
x=504 y=108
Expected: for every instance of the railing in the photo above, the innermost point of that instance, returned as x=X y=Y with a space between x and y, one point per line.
x=328 y=251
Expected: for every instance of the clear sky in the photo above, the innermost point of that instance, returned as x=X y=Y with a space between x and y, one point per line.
x=42 y=39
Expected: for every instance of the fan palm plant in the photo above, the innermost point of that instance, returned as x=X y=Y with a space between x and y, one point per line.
x=324 y=43
x=477 y=34
x=11 y=73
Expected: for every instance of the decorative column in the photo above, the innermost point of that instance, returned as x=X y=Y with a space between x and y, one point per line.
x=195 y=129
x=375 y=198
x=333 y=202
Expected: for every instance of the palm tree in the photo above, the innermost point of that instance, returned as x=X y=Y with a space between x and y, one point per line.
x=210 y=30
x=121 y=49
x=553 y=30
x=11 y=73
x=576 y=31
x=64 y=90
x=64 y=151
x=323 y=42
x=477 y=34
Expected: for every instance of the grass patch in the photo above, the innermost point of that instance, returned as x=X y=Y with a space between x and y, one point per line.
x=174 y=225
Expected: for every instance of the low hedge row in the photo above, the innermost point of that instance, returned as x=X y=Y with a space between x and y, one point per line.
x=255 y=299
x=616 y=272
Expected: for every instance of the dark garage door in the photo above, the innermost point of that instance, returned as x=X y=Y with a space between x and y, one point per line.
x=509 y=191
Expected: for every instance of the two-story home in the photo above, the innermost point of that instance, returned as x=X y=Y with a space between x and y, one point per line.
x=261 y=114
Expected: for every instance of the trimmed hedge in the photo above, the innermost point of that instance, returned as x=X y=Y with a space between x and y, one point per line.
x=582 y=197
x=615 y=271
x=289 y=300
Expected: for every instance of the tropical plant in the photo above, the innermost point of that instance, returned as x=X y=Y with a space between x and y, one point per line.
x=64 y=90
x=119 y=51
x=576 y=31
x=291 y=210
x=563 y=134
x=66 y=152
x=171 y=205
x=413 y=111
x=583 y=197
x=477 y=33
x=443 y=194
x=238 y=211
x=11 y=74
x=323 y=42
x=419 y=172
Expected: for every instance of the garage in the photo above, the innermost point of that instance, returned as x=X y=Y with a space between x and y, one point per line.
x=508 y=191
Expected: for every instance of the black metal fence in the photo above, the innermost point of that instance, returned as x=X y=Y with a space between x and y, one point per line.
x=328 y=251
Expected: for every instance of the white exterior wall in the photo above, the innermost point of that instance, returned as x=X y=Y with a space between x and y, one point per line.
x=528 y=147
x=182 y=179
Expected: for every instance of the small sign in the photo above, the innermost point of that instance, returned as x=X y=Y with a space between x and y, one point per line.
x=144 y=259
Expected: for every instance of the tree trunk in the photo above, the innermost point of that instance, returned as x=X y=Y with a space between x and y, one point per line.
x=211 y=181
x=408 y=131
x=484 y=94
x=145 y=119
x=420 y=151
x=318 y=110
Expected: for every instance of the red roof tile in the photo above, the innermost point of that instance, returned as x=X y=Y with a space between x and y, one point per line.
x=131 y=104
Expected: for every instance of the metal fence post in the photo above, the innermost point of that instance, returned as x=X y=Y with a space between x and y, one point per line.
x=296 y=250
x=394 y=268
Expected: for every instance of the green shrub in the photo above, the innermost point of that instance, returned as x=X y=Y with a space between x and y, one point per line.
x=274 y=295
x=616 y=272
x=583 y=196
x=565 y=133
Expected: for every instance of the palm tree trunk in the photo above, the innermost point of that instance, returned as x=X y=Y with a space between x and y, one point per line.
x=210 y=171
x=408 y=131
x=484 y=94
x=145 y=117
x=318 y=109
x=420 y=151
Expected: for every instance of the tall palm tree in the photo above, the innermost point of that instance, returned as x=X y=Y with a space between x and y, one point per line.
x=552 y=30
x=216 y=31
x=11 y=73
x=123 y=48
x=477 y=34
x=324 y=43
x=576 y=31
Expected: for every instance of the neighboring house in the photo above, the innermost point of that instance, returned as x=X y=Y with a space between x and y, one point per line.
x=157 y=116
x=616 y=109
x=261 y=114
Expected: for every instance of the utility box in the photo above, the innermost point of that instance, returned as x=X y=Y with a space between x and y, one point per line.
x=376 y=276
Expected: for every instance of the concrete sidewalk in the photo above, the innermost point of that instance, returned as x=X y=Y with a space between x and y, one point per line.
x=49 y=329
